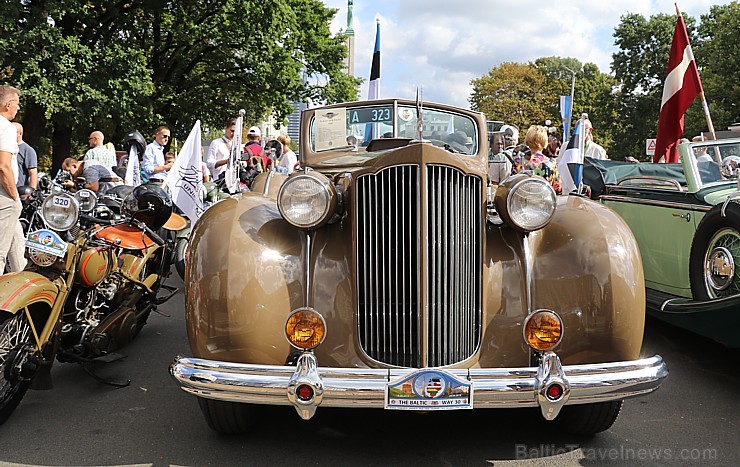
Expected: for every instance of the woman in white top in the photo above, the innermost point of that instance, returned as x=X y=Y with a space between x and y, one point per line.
x=289 y=160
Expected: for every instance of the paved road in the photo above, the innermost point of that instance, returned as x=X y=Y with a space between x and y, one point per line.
x=693 y=417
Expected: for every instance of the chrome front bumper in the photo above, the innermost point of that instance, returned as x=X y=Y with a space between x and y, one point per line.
x=366 y=387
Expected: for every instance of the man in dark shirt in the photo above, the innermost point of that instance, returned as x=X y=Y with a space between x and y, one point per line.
x=98 y=177
x=27 y=161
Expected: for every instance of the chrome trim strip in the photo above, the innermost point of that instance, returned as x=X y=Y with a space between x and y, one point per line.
x=651 y=202
x=669 y=181
x=365 y=387
x=309 y=284
x=528 y=264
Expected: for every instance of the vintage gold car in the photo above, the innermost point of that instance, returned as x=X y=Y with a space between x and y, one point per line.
x=393 y=275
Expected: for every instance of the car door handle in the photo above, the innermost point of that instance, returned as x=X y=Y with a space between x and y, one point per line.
x=686 y=216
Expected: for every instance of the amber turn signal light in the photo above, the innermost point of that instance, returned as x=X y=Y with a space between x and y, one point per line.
x=305 y=328
x=543 y=330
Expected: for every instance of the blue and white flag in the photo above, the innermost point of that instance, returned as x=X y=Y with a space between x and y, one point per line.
x=566 y=106
x=133 y=172
x=570 y=161
x=373 y=90
x=185 y=178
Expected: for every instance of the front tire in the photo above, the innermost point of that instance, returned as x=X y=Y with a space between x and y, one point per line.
x=714 y=264
x=228 y=418
x=589 y=419
x=16 y=369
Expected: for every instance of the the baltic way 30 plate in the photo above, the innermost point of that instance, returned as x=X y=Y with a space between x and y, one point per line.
x=429 y=390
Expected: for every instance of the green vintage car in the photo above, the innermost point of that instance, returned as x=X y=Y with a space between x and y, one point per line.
x=686 y=219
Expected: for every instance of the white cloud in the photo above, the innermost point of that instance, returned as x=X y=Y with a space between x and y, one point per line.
x=442 y=44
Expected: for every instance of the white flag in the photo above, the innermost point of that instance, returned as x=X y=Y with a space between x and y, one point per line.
x=232 y=169
x=133 y=172
x=185 y=178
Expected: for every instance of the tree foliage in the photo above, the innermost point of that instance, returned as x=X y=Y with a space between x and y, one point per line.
x=529 y=94
x=718 y=54
x=513 y=92
x=624 y=106
x=116 y=65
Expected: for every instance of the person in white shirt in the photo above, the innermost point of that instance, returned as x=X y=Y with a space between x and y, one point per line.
x=592 y=149
x=288 y=160
x=98 y=152
x=11 y=240
x=219 y=150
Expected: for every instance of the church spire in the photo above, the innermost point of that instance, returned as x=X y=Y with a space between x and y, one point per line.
x=349 y=31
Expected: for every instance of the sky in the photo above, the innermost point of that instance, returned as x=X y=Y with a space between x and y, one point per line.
x=441 y=45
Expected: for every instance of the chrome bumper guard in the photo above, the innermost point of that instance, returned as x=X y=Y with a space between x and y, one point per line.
x=366 y=387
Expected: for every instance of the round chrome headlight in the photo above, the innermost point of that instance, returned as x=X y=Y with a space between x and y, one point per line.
x=307 y=201
x=527 y=203
x=87 y=199
x=60 y=211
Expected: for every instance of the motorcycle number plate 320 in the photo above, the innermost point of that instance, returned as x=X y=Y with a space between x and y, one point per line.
x=429 y=390
x=46 y=241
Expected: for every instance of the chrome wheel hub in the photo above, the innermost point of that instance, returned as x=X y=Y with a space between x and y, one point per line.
x=719 y=269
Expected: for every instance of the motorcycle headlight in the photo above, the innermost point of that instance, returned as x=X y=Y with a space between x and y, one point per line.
x=526 y=203
x=60 y=211
x=307 y=201
x=87 y=200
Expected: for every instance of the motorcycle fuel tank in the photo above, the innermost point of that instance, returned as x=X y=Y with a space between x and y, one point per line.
x=95 y=265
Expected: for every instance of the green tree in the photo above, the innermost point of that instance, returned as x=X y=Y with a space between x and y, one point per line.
x=718 y=53
x=513 y=92
x=592 y=93
x=640 y=67
x=120 y=65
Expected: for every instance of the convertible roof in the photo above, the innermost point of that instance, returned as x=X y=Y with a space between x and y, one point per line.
x=599 y=173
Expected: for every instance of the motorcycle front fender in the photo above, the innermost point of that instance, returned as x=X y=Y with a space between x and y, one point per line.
x=20 y=289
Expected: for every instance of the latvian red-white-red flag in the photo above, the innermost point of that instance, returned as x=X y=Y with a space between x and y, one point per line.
x=682 y=85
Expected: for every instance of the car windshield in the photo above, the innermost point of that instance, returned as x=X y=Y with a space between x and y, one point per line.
x=706 y=156
x=352 y=128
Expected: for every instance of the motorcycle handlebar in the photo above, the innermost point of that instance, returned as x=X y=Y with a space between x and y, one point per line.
x=152 y=234
x=87 y=218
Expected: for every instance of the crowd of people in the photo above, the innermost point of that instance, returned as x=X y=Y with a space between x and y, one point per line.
x=99 y=169
x=537 y=155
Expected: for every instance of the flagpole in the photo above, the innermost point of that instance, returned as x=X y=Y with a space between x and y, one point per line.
x=704 y=104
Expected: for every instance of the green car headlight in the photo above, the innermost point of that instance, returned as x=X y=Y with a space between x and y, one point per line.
x=307 y=201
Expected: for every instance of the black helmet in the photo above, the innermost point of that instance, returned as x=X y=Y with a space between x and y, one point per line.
x=148 y=203
x=135 y=139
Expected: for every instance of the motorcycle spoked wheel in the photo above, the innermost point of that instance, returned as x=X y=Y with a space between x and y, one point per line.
x=16 y=365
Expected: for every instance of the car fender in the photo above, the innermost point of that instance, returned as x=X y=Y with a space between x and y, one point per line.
x=588 y=249
x=20 y=289
x=245 y=273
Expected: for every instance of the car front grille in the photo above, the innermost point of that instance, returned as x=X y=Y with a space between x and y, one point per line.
x=419 y=298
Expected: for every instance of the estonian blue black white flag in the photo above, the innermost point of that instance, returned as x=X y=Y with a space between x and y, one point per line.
x=373 y=90
x=570 y=161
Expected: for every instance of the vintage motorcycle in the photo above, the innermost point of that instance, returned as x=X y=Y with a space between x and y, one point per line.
x=91 y=286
